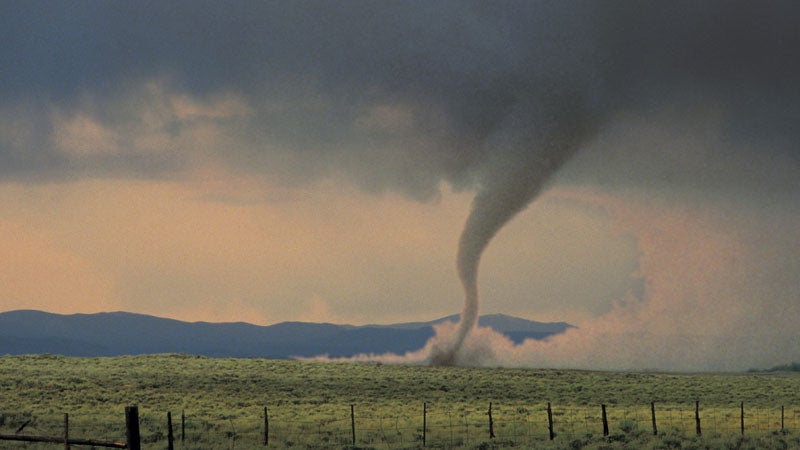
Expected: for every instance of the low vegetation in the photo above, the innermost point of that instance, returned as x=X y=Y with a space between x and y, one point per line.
x=309 y=404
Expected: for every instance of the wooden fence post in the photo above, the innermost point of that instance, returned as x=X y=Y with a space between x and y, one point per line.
x=550 y=421
x=132 y=427
x=742 y=416
x=266 y=427
x=424 y=422
x=353 y=423
x=605 y=420
x=491 y=422
x=170 y=437
x=183 y=425
x=782 y=428
x=697 y=417
x=653 y=415
x=66 y=431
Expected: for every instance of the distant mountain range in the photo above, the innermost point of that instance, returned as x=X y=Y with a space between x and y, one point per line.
x=122 y=333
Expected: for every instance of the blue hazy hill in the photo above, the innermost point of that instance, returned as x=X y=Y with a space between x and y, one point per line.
x=122 y=333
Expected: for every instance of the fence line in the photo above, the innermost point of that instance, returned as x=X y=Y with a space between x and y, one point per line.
x=132 y=438
x=442 y=425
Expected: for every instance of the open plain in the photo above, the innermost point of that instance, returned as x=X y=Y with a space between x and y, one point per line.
x=230 y=403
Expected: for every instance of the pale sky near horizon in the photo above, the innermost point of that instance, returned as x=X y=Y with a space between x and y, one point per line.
x=316 y=161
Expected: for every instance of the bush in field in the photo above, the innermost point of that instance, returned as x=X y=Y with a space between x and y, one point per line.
x=628 y=426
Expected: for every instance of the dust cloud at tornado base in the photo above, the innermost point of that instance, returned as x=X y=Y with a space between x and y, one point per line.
x=698 y=311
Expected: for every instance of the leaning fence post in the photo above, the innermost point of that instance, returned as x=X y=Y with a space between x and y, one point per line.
x=491 y=422
x=550 y=421
x=353 y=423
x=66 y=431
x=170 y=437
x=653 y=415
x=132 y=427
x=697 y=417
x=605 y=420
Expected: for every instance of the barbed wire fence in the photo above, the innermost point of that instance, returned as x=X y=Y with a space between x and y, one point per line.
x=431 y=425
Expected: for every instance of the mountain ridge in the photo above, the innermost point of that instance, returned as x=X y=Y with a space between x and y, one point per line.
x=124 y=333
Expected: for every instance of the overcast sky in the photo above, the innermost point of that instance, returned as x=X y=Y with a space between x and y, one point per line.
x=317 y=161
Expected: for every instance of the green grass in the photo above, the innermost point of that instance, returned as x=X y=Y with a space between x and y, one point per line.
x=309 y=404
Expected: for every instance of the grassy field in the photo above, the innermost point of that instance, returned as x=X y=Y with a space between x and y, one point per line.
x=309 y=404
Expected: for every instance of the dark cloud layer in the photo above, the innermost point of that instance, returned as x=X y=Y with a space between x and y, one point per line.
x=460 y=70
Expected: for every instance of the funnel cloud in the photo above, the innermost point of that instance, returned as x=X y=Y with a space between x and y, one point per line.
x=507 y=193
x=687 y=103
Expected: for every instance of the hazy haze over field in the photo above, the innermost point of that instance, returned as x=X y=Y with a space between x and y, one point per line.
x=262 y=162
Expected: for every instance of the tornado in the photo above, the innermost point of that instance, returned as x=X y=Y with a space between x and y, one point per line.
x=539 y=142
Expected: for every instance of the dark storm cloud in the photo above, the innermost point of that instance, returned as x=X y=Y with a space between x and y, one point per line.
x=709 y=98
x=459 y=71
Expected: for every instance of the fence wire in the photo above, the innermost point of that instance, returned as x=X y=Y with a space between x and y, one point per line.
x=430 y=425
